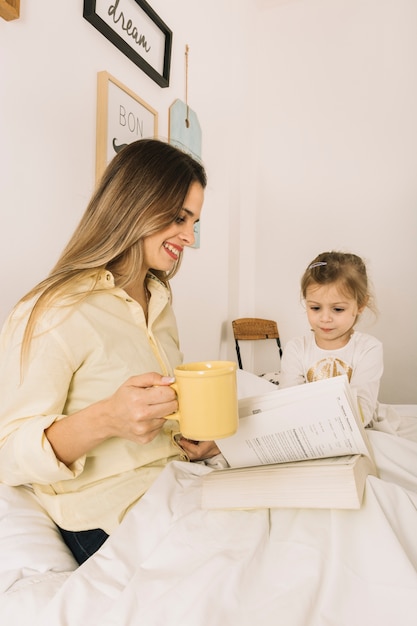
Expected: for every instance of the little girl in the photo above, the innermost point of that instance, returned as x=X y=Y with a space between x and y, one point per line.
x=335 y=290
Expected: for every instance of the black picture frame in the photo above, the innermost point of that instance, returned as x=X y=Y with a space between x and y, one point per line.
x=118 y=19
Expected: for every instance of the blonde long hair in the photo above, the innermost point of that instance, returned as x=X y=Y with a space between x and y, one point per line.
x=141 y=192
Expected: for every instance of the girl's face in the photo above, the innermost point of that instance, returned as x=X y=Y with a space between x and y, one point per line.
x=331 y=314
x=162 y=249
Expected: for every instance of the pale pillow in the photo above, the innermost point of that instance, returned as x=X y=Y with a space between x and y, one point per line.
x=30 y=542
x=28 y=597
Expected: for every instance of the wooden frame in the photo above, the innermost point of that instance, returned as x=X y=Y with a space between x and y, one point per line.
x=122 y=117
x=137 y=31
x=9 y=9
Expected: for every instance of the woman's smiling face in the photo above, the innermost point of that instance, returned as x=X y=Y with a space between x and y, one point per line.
x=162 y=249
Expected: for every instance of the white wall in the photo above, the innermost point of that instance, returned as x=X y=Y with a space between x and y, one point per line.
x=50 y=58
x=308 y=116
x=337 y=87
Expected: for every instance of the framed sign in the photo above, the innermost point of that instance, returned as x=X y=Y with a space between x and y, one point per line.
x=122 y=117
x=137 y=31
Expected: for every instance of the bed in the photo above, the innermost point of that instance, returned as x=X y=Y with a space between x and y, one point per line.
x=171 y=563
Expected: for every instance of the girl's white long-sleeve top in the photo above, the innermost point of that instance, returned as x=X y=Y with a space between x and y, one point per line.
x=361 y=360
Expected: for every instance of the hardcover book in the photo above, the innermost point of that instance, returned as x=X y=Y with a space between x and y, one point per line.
x=302 y=447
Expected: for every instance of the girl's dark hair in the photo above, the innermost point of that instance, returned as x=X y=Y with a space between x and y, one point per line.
x=344 y=268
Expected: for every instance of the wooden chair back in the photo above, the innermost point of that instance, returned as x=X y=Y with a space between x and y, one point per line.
x=254 y=329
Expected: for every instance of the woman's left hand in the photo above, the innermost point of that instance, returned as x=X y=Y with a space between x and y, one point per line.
x=199 y=450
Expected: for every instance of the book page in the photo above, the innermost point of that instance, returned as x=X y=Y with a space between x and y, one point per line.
x=310 y=421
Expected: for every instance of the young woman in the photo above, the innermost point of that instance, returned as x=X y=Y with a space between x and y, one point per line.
x=336 y=291
x=87 y=356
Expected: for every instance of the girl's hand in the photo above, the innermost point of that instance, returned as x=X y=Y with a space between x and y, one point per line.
x=199 y=450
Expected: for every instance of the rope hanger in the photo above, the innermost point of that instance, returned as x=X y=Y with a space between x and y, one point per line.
x=187 y=119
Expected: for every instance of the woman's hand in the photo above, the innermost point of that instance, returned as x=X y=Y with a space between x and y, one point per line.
x=136 y=411
x=198 y=450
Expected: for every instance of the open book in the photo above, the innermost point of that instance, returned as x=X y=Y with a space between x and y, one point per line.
x=303 y=447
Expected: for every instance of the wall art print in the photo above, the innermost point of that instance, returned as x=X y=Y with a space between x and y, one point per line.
x=122 y=117
x=137 y=31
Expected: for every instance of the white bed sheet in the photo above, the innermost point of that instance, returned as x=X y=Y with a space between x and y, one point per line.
x=171 y=563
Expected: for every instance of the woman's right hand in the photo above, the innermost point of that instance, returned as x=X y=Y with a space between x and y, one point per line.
x=136 y=411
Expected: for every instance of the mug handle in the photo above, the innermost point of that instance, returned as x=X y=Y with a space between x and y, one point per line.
x=176 y=414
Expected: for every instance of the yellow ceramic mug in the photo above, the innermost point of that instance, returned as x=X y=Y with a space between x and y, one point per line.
x=207 y=399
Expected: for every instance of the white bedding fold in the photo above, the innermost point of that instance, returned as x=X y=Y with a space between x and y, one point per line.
x=170 y=563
